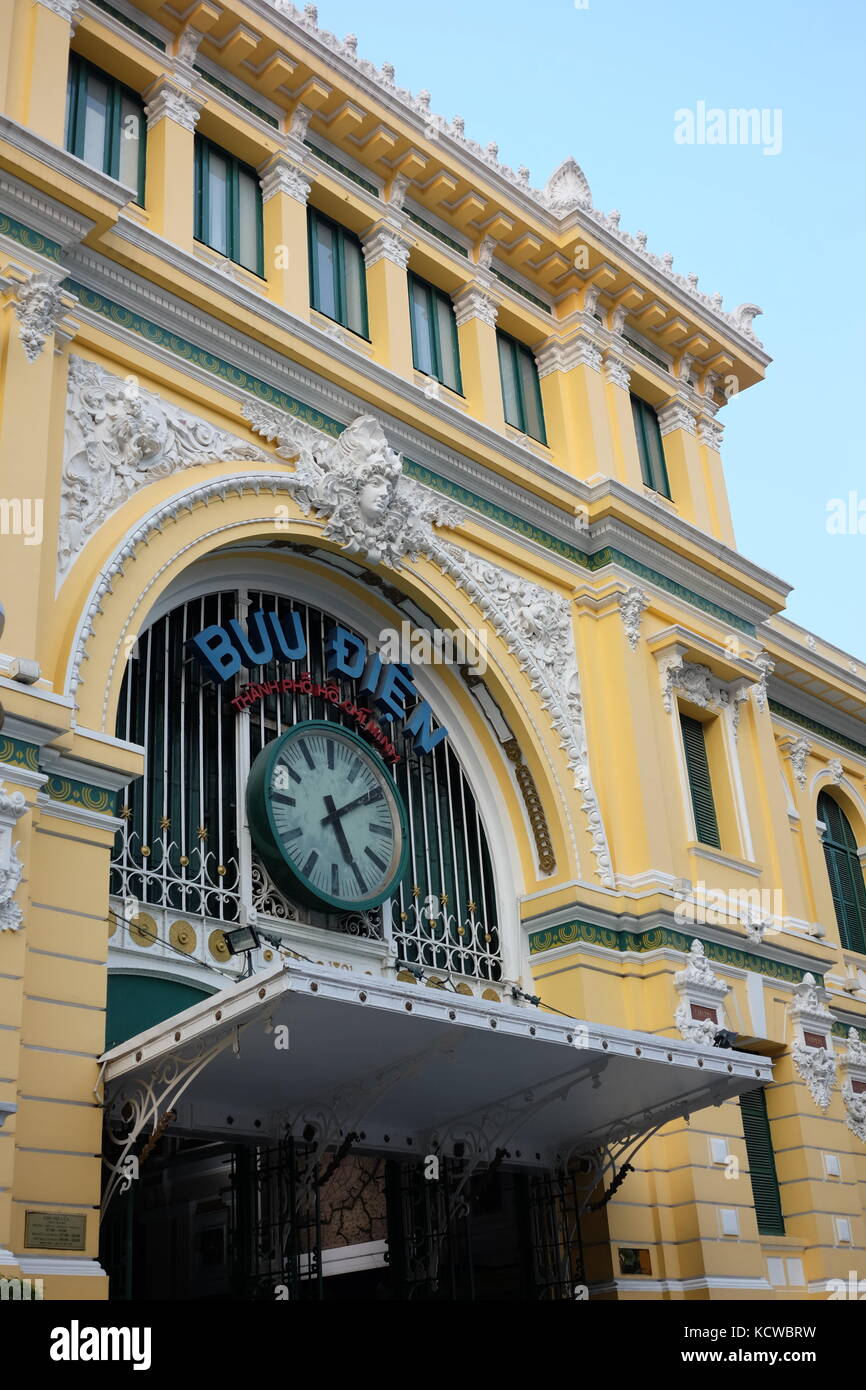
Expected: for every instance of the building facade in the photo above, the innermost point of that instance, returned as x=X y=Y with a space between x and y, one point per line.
x=334 y=454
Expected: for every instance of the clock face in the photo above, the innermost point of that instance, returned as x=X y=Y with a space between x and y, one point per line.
x=326 y=816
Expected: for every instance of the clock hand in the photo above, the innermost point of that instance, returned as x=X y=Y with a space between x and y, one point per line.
x=364 y=800
x=334 y=817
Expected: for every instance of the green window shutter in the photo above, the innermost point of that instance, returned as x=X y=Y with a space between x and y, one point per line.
x=228 y=206
x=700 y=786
x=521 y=389
x=105 y=124
x=845 y=872
x=338 y=278
x=762 y=1163
x=435 y=350
x=650 y=446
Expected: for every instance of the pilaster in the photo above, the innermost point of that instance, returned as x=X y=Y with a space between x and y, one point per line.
x=575 y=409
x=172 y=114
x=285 y=190
x=475 y=311
x=386 y=254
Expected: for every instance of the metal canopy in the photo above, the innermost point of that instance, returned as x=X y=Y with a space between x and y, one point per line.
x=408 y=1069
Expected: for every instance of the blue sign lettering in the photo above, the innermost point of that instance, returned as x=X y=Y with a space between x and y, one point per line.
x=391 y=684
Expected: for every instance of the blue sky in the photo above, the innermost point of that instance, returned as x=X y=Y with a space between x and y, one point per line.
x=547 y=79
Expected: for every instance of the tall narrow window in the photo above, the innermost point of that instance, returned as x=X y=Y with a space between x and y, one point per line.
x=649 y=446
x=521 y=391
x=700 y=786
x=846 y=874
x=338 y=281
x=105 y=124
x=434 y=333
x=762 y=1163
x=228 y=206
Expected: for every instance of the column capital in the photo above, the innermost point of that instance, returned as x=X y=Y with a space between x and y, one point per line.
x=41 y=308
x=66 y=9
x=710 y=432
x=616 y=371
x=475 y=302
x=562 y=355
x=165 y=99
x=385 y=241
x=676 y=414
x=279 y=174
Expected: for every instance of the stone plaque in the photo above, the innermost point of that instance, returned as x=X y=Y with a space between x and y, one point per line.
x=55 y=1230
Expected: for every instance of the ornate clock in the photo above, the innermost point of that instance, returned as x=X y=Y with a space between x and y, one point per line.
x=327 y=818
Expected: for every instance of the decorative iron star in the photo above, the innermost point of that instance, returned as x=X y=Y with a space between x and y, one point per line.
x=471 y=907
x=165 y=823
x=126 y=812
x=202 y=832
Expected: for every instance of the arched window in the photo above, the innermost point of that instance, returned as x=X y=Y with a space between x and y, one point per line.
x=846 y=873
x=184 y=851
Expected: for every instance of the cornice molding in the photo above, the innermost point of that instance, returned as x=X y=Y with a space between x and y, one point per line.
x=60 y=161
x=43 y=213
x=564 y=203
x=216 y=338
x=833 y=669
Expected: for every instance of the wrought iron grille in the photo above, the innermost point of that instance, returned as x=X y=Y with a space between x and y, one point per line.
x=184 y=846
x=502 y=1235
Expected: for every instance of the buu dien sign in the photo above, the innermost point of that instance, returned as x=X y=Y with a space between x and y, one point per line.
x=271 y=637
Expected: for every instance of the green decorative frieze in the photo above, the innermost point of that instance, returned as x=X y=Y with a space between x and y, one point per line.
x=81 y=794
x=216 y=366
x=236 y=96
x=831 y=735
x=575 y=933
x=130 y=24
x=342 y=169
x=25 y=236
x=18 y=754
x=840 y=1030
x=272 y=395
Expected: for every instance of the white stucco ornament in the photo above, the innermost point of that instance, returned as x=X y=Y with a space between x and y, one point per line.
x=566 y=189
x=119 y=438
x=700 y=990
x=356 y=483
x=811 y=1018
x=854 y=1100
x=12 y=808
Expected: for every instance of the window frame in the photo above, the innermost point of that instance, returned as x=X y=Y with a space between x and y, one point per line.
x=234 y=166
x=836 y=852
x=642 y=411
x=706 y=816
x=341 y=235
x=518 y=350
x=79 y=70
x=435 y=296
x=761 y=1157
